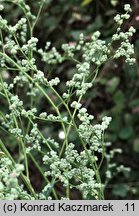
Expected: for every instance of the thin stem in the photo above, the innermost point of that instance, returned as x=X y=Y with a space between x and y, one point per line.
x=16 y=3
x=38 y=15
x=42 y=173
x=38 y=86
x=16 y=124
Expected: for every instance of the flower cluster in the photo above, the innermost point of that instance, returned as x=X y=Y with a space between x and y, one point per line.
x=9 y=186
x=52 y=56
x=74 y=155
x=31 y=45
x=93 y=135
x=126 y=49
x=33 y=139
x=19 y=25
x=64 y=170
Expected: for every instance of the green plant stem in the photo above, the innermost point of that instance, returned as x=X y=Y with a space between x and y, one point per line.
x=16 y=124
x=38 y=15
x=16 y=3
x=72 y=117
x=42 y=173
x=38 y=86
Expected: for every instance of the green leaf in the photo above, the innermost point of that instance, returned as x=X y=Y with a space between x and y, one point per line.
x=103 y=81
x=76 y=33
x=134 y=103
x=86 y=2
x=130 y=71
x=119 y=98
x=137 y=47
x=95 y=25
x=136 y=145
x=51 y=23
x=115 y=124
x=120 y=190
x=126 y=133
x=48 y=2
x=113 y=84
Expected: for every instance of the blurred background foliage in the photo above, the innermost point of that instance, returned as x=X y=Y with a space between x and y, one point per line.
x=116 y=92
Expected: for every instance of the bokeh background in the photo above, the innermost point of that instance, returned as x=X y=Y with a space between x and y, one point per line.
x=116 y=92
